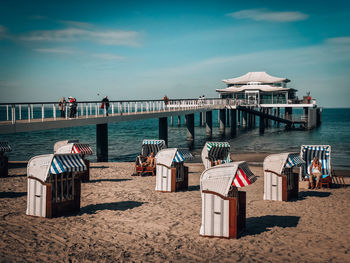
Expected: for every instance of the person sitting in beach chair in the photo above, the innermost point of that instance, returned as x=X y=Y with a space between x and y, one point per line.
x=321 y=169
x=150 y=161
x=145 y=164
x=315 y=171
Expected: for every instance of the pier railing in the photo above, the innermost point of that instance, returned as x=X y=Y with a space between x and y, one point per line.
x=41 y=111
x=37 y=111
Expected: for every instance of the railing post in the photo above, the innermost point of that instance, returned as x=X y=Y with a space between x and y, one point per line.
x=42 y=112
x=13 y=113
x=28 y=113
x=54 y=111
x=20 y=111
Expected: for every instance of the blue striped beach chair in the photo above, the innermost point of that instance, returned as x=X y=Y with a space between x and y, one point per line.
x=171 y=173
x=54 y=184
x=323 y=153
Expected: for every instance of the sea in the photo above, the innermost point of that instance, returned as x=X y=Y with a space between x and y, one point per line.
x=125 y=138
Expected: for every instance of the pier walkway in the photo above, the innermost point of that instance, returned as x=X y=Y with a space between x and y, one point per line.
x=27 y=117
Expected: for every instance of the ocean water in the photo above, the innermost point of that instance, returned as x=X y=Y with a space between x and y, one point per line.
x=125 y=138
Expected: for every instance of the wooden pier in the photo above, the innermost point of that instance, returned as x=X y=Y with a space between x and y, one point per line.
x=27 y=117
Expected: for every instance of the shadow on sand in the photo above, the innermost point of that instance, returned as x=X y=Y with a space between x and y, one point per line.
x=12 y=194
x=115 y=206
x=99 y=167
x=193 y=188
x=106 y=180
x=258 y=225
x=304 y=194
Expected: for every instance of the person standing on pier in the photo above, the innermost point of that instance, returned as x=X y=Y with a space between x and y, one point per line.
x=105 y=104
x=166 y=100
x=72 y=107
x=62 y=106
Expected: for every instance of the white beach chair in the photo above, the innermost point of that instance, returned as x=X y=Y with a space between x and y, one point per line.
x=171 y=173
x=280 y=183
x=223 y=206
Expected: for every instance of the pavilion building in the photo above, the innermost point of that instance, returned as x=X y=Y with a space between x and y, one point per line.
x=258 y=88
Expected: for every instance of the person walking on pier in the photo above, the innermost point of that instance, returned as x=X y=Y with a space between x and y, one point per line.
x=105 y=104
x=62 y=103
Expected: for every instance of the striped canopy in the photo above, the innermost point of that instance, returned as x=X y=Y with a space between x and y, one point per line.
x=220 y=179
x=218 y=151
x=244 y=176
x=322 y=152
x=67 y=163
x=294 y=160
x=149 y=146
x=5 y=147
x=82 y=148
x=182 y=155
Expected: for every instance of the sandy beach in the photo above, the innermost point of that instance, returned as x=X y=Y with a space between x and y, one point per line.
x=124 y=219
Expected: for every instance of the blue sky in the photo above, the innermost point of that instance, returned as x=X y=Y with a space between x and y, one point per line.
x=146 y=49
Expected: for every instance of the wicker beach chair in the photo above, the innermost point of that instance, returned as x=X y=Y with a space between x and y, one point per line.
x=148 y=146
x=323 y=153
x=215 y=153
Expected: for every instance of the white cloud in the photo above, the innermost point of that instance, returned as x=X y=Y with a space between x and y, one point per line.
x=108 y=56
x=339 y=40
x=55 y=50
x=107 y=37
x=76 y=23
x=268 y=15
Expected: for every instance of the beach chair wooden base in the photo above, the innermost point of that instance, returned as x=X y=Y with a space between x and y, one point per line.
x=142 y=170
x=290 y=189
x=236 y=216
x=338 y=180
x=85 y=176
x=3 y=166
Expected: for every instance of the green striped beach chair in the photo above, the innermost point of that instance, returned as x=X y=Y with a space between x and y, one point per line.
x=214 y=153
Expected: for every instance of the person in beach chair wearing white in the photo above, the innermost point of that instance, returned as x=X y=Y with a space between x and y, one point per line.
x=315 y=171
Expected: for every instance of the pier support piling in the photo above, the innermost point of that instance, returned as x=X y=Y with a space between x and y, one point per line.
x=102 y=142
x=179 y=120
x=222 y=120
x=163 y=129
x=261 y=124
x=190 y=127
x=209 y=124
x=233 y=122
x=200 y=119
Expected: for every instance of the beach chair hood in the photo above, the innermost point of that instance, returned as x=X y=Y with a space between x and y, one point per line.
x=277 y=162
x=59 y=144
x=5 y=147
x=213 y=150
x=170 y=155
x=42 y=166
x=151 y=145
x=81 y=148
x=219 y=179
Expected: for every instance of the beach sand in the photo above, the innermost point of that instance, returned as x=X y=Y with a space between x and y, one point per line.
x=124 y=219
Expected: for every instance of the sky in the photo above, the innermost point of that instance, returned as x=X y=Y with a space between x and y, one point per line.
x=182 y=49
